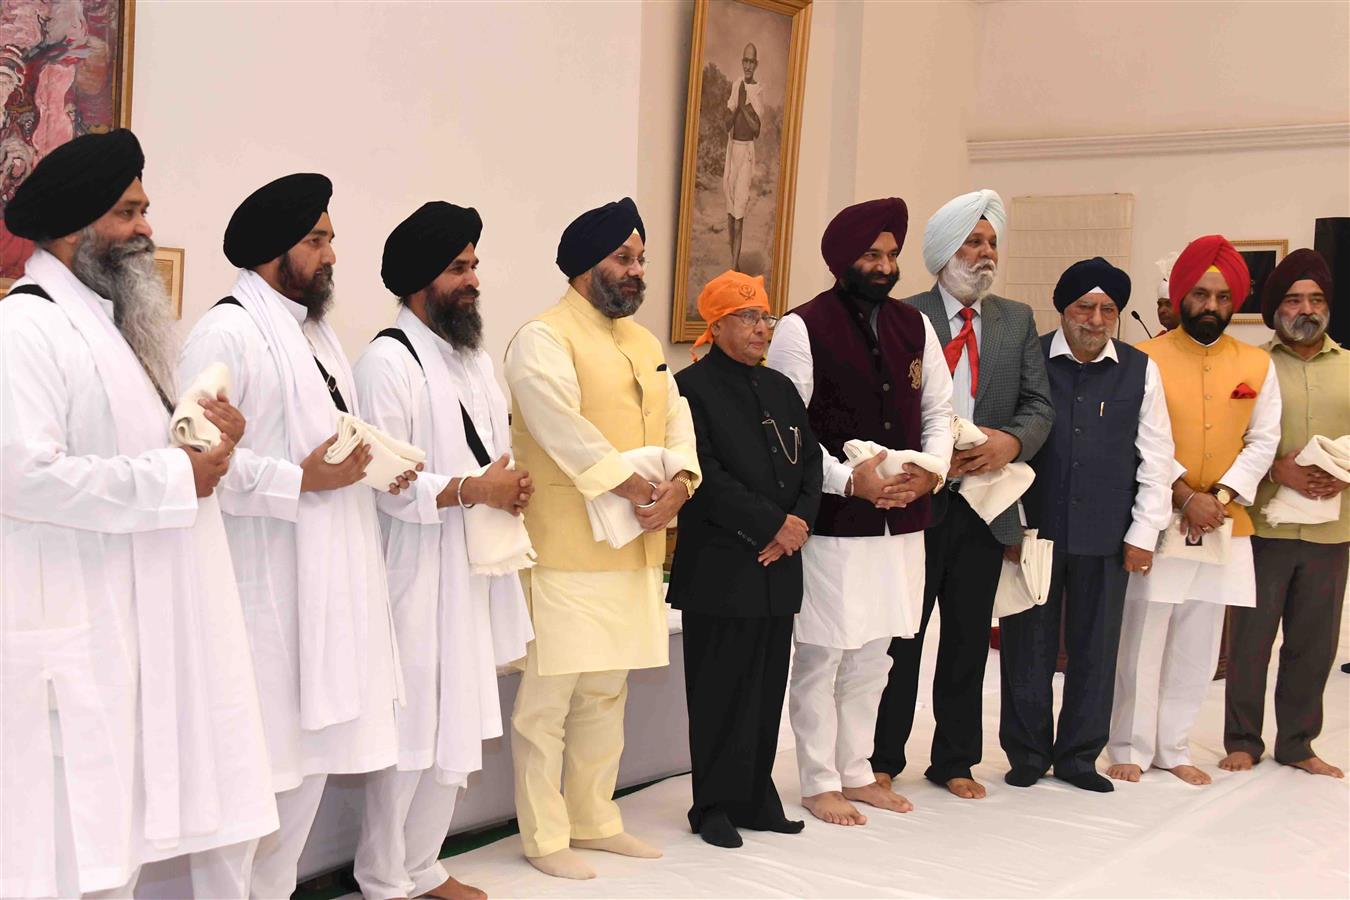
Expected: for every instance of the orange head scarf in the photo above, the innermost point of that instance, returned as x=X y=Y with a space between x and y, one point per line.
x=1202 y=254
x=728 y=293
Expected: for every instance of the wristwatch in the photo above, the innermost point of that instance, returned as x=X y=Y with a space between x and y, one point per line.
x=1223 y=495
x=684 y=479
x=941 y=480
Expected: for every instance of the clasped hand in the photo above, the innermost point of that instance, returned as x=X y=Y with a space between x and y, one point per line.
x=789 y=539
x=995 y=453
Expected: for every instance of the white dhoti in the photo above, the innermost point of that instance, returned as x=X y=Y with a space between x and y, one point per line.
x=406 y=820
x=1169 y=645
x=737 y=172
x=859 y=593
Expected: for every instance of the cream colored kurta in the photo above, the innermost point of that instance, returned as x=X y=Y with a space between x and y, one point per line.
x=588 y=621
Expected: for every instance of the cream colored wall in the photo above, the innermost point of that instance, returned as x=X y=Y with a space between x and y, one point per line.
x=1054 y=70
x=526 y=110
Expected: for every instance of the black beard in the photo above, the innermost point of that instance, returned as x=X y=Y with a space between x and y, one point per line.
x=1205 y=328
x=458 y=322
x=316 y=296
x=608 y=296
x=856 y=284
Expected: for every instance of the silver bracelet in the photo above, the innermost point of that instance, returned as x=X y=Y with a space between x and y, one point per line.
x=648 y=505
x=459 y=495
x=1182 y=508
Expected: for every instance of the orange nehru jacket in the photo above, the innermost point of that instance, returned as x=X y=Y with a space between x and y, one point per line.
x=1208 y=421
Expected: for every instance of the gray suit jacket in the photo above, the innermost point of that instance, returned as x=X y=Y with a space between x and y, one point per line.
x=1014 y=392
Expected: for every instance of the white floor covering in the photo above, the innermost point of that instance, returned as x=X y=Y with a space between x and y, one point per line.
x=1270 y=832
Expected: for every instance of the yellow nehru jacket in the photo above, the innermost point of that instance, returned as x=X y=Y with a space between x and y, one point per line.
x=1208 y=422
x=624 y=394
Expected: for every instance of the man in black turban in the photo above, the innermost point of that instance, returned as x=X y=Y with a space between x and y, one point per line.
x=601 y=253
x=428 y=382
x=1102 y=493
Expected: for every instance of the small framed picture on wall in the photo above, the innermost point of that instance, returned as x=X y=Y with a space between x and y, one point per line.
x=1262 y=257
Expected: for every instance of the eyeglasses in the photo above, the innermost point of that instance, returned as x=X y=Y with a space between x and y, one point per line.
x=626 y=260
x=752 y=318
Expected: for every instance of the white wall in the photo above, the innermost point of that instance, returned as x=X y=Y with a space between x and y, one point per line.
x=525 y=110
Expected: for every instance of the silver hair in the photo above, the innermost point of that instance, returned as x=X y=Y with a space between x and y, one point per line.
x=125 y=274
x=1302 y=328
x=968 y=282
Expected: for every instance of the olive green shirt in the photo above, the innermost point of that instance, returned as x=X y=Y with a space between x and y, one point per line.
x=1316 y=400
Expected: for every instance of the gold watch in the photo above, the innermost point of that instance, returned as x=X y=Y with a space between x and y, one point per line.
x=684 y=479
x=1223 y=495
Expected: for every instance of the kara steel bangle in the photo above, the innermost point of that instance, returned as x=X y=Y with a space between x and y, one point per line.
x=651 y=504
x=459 y=494
x=1182 y=508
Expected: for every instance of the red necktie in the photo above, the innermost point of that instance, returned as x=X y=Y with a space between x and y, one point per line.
x=965 y=340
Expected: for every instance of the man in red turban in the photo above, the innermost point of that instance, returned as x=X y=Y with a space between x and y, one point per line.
x=871 y=372
x=1224 y=406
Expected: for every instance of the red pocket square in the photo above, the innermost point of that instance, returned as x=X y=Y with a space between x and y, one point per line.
x=1242 y=392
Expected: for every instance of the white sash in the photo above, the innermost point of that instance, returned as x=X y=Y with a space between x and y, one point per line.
x=181 y=798
x=481 y=625
x=334 y=530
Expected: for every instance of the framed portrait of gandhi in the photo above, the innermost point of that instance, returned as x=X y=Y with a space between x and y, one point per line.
x=747 y=77
x=65 y=70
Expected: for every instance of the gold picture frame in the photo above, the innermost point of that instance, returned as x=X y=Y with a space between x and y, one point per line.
x=1262 y=257
x=763 y=186
x=169 y=267
x=21 y=106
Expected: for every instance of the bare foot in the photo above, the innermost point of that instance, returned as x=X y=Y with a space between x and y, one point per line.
x=884 y=780
x=1125 y=772
x=1237 y=761
x=881 y=797
x=1191 y=775
x=966 y=788
x=1314 y=766
x=450 y=889
x=833 y=808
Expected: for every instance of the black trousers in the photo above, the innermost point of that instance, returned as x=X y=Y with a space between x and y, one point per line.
x=962 y=569
x=1091 y=590
x=735 y=676
x=1300 y=586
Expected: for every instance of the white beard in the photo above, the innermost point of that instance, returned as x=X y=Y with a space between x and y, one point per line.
x=966 y=282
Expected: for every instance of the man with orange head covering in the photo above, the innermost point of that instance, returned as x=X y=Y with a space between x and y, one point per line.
x=1224 y=403
x=873 y=377
x=737 y=576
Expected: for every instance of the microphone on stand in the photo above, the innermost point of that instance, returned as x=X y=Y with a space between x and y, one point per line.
x=1135 y=313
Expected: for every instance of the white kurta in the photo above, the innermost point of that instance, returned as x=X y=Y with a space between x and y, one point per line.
x=454 y=628
x=83 y=652
x=261 y=499
x=859 y=589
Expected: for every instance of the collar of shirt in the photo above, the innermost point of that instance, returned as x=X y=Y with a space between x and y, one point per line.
x=586 y=308
x=953 y=307
x=296 y=309
x=1328 y=346
x=724 y=362
x=1059 y=346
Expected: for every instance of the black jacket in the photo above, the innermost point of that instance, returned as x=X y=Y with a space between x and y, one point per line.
x=749 y=487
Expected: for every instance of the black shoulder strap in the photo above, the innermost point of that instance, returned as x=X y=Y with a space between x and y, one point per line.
x=470 y=432
x=328 y=380
x=34 y=289
x=227 y=301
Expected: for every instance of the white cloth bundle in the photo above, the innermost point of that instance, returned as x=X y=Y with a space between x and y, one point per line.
x=858 y=452
x=613 y=519
x=1213 y=548
x=1026 y=583
x=990 y=493
x=497 y=541
x=189 y=426
x=389 y=458
x=1290 y=507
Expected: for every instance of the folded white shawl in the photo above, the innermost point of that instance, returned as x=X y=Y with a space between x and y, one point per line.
x=857 y=452
x=613 y=519
x=990 y=493
x=1026 y=583
x=189 y=426
x=1289 y=507
x=389 y=458
x=497 y=541
x=1212 y=549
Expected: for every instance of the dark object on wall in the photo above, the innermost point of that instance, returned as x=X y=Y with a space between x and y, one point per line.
x=1331 y=238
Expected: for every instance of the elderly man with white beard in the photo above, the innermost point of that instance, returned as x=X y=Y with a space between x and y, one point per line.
x=303 y=531
x=999 y=383
x=128 y=713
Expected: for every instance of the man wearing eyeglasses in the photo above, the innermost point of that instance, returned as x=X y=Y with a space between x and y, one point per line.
x=868 y=368
x=737 y=577
x=590 y=384
x=745 y=107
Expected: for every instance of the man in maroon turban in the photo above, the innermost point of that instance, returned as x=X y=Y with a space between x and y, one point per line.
x=872 y=375
x=1301 y=560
